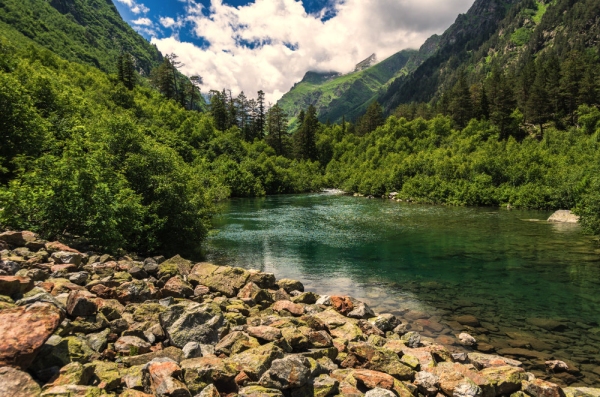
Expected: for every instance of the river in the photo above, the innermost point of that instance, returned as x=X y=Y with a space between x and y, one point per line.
x=532 y=286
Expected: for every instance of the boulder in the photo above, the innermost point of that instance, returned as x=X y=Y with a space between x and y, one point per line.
x=466 y=339
x=187 y=322
x=192 y=350
x=468 y=320
x=287 y=373
x=24 y=330
x=170 y=352
x=132 y=345
x=209 y=391
x=199 y=372
x=379 y=359
x=379 y=392
x=481 y=360
x=67 y=258
x=16 y=383
x=259 y=391
x=255 y=362
x=342 y=304
x=361 y=310
x=542 y=388
x=547 y=323
x=506 y=379
x=81 y=303
x=427 y=383
x=177 y=288
x=581 y=392
x=263 y=280
x=18 y=239
x=373 y=379
x=73 y=391
x=14 y=285
x=556 y=366
x=293 y=308
x=385 y=322
x=73 y=374
x=236 y=342
x=412 y=339
x=290 y=285
x=308 y=298
x=265 y=333
x=563 y=216
x=224 y=279
x=108 y=374
x=163 y=375
x=176 y=266
x=254 y=292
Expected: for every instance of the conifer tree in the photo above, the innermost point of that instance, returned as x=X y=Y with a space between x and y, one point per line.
x=260 y=119
x=305 y=137
x=502 y=102
x=277 y=125
x=461 y=106
x=372 y=119
x=538 y=106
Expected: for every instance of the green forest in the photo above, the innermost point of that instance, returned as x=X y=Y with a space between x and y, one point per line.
x=124 y=158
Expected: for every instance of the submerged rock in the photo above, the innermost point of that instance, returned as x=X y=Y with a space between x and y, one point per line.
x=563 y=216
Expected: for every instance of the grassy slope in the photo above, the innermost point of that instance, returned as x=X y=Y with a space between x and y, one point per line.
x=85 y=31
x=344 y=95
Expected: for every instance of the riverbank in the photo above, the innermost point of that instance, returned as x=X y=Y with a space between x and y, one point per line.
x=85 y=324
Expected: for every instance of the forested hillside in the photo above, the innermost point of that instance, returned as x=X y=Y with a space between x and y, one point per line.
x=114 y=161
x=85 y=31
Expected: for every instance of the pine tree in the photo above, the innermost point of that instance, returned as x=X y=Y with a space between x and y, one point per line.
x=538 y=106
x=570 y=82
x=129 y=75
x=218 y=109
x=461 y=107
x=260 y=120
x=305 y=137
x=502 y=102
x=372 y=119
x=277 y=125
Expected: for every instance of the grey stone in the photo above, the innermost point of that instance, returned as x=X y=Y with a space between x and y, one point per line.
x=185 y=323
x=427 y=383
x=362 y=310
x=192 y=350
x=413 y=339
x=466 y=339
x=324 y=300
x=287 y=373
x=379 y=392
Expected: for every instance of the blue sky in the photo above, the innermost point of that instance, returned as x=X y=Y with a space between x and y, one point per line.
x=270 y=44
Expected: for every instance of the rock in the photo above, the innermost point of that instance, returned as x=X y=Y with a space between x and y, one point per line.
x=287 y=373
x=18 y=239
x=197 y=322
x=176 y=266
x=361 y=310
x=563 y=216
x=324 y=385
x=385 y=322
x=236 y=342
x=14 y=285
x=163 y=375
x=192 y=350
x=342 y=304
x=523 y=353
x=542 y=388
x=79 y=278
x=320 y=339
x=547 y=324
x=224 y=279
x=581 y=392
x=81 y=303
x=209 y=391
x=467 y=388
x=73 y=374
x=263 y=280
x=505 y=379
x=556 y=366
x=378 y=359
x=67 y=258
x=134 y=393
x=373 y=379
x=412 y=339
x=480 y=361
x=468 y=320
x=293 y=308
x=324 y=300
x=427 y=383
x=379 y=392
x=177 y=288
x=255 y=362
x=466 y=339
x=132 y=345
x=254 y=292
x=73 y=391
x=16 y=383
x=199 y=372
x=170 y=352
x=259 y=391
x=24 y=330
x=108 y=374
x=290 y=285
x=309 y=298
x=98 y=341
x=9 y=268
x=265 y=333
x=201 y=290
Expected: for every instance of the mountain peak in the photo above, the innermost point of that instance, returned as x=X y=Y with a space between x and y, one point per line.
x=367 y=63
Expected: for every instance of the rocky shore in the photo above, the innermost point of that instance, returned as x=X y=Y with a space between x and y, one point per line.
x=83 y=324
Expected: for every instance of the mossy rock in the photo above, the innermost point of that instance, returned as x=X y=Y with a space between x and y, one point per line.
x=148 y=312
x=174 y=267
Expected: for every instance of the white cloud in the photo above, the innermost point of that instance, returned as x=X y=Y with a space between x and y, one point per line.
x=358 y=29
x=142 y=22
x=135 y=7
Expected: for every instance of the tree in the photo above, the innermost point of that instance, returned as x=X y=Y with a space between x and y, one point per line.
x=372 y=119
x=277 y=125
x=461 y=107
x=502 y=102
x=218 y=109
x=570 y=82
x=305 y=137
x=126 y=70
x=260 y=119
x=538 y=107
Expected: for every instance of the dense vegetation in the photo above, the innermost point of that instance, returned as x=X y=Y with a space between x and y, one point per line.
x=84 y=155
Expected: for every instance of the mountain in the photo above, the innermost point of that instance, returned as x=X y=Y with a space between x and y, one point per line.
x=336 y=95
x=498 y=33
x=85 y=31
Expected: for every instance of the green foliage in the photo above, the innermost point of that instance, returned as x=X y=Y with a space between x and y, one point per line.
x=520 y=36
x=120 y=167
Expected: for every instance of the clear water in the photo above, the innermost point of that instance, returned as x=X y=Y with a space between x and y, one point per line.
x=501 y=266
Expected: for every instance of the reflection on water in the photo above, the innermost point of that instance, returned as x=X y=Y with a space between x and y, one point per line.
x=502 y=266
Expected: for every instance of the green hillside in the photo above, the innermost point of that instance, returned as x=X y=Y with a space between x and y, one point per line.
x=335 y=95
x=85 y=31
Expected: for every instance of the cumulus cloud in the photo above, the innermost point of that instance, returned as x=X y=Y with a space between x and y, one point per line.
x=136 y=8
x=270 y=44
x=142 y=22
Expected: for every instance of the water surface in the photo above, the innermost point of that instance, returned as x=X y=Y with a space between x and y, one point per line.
x=502 y=266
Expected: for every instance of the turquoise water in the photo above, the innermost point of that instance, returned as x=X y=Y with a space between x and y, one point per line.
x=501 y=266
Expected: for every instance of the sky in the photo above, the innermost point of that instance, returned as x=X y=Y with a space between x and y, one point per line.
x=269 y=45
